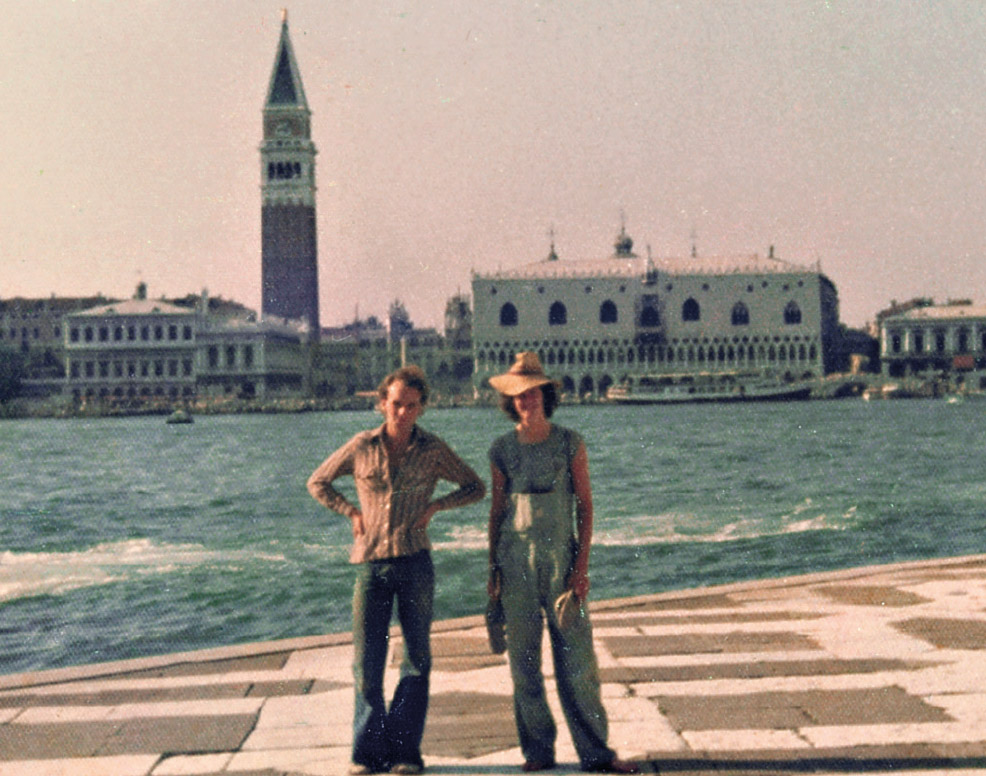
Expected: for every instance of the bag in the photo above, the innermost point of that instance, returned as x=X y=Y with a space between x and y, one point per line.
x=496 y=626
x=568 y=608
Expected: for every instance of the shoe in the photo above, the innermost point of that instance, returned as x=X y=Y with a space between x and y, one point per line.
x=532 y=766
x=616 y=765
x=408 y=768
x=358 y=769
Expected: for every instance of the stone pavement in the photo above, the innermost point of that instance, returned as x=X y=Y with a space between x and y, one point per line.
x=868 y=670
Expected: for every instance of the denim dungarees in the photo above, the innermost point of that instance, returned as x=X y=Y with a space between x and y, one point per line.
x=536 y=550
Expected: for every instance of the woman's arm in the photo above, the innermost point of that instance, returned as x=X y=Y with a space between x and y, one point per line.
x=498 y=508
x=579 y=580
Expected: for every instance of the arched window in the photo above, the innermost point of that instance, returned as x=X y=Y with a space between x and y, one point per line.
x=557 y=315
x=607 y=312
x=690 y=311
x=508 y=315
x=792 y=313
x=741 y=315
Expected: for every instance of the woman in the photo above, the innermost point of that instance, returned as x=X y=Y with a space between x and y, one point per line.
x=538 y=470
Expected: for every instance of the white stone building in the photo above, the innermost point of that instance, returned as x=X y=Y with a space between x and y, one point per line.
x=598 y=322
x=949 y=338
x=251 y=359
x=142 y=352
x=136 y=350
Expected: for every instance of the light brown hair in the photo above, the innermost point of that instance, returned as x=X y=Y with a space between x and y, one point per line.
x=412 y=376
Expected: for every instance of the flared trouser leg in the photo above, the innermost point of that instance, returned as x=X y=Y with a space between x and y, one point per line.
x=409 y=706
x=525 y=627
x=372 y=607
x=577 y=677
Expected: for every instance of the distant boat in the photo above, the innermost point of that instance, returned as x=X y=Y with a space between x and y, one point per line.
x=706 y=387
x=180 y=416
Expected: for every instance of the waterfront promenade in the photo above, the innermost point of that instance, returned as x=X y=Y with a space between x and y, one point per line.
x=878 y=669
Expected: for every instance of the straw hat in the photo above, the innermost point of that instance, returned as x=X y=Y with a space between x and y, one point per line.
x=525 y=373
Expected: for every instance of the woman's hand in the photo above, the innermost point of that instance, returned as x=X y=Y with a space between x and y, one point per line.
x=578 y=582
x=357 y=524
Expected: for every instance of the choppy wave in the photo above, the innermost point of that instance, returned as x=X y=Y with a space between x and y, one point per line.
x=679 y=528
x=26 y=574
x=669 y=529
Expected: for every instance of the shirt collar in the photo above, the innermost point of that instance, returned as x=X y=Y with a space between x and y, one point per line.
x=377 y=435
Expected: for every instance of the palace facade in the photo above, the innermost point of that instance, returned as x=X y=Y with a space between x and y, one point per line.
x=600 y=322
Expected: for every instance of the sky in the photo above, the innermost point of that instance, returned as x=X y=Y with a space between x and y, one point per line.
x=461 y=136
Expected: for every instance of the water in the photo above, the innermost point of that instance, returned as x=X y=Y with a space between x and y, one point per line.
x=128 y=537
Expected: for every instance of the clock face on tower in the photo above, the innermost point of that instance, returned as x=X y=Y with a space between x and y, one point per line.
x=281 y=127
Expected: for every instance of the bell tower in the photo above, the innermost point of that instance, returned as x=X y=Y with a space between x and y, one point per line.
x=289 y=249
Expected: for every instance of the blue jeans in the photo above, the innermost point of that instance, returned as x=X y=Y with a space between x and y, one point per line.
x=383 y=737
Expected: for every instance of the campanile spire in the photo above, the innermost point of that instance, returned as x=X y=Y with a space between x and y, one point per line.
x=289 y=252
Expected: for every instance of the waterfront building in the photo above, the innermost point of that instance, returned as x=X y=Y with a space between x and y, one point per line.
x=355 y=357
x=134 y=351
x=33 y=327
x=925 y=339
x=250 y=359
x=600 y=322
x=289 y=248
x=145 y=352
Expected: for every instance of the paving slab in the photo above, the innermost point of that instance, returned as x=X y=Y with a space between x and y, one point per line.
x=868 y=670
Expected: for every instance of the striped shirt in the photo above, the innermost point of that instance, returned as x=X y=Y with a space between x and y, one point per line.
x=391 y=507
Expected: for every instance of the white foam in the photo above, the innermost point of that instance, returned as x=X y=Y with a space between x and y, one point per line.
x=678 y=528
x=24 y=574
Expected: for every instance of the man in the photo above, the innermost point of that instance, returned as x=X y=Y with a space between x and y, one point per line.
x=396 y=468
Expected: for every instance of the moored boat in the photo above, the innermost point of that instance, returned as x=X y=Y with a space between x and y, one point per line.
x=692 y=388
x=179 y=416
